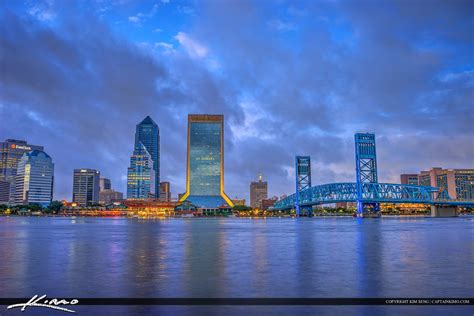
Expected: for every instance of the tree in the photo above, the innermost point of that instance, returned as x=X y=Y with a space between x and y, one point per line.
x=34 y=207
x=54 y=207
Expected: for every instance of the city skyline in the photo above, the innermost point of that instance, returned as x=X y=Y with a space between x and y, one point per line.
x=421 y=115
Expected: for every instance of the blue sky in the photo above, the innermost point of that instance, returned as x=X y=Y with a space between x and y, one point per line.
x=291 y=77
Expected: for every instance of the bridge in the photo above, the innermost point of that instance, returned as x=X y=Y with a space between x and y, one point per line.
x=366 y=191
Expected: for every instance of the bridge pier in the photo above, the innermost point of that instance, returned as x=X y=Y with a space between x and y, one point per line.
x=443 y=211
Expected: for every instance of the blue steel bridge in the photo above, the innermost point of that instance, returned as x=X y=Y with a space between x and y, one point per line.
x=366 y=191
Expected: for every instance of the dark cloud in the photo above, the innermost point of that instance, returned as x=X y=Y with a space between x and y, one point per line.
x=400 y=69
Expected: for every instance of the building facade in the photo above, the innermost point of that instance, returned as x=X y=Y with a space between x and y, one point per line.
x=205 y=162
x=457 y=183
x=141 y=174
x=265 y=204
x=4 y=192
x=238 y=202
x=85 y=188
x=258 y=192
x=410 y=179
x=11 y=151
x=105 y=184
x=165 y=192
x=34 y=179
x=108 y=196
x=148 y=134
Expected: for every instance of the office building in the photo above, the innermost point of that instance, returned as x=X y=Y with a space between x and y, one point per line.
x=109 y=196
x=165 y=193
x=411 y=179
x=85 y=188
x=141 y=175
x=34 y=179
x=148 y=134
x=4 y=192
x=457 y=183
x=105 y=184
x=265 y=204
x=205 y=162
x=238 y=202
x=11 y=151
x=258 y=192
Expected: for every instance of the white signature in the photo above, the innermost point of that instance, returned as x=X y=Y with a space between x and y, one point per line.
x=40 y=301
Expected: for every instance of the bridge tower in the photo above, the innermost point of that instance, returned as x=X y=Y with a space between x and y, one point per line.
x=303 y=181
x=366 y=171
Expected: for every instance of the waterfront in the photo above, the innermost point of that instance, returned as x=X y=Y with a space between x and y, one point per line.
x=239 y=257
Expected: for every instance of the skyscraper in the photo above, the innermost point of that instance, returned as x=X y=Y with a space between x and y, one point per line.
x=141 y=174
x=165 y=193
x=205 y=162
x=105 y=184
x=34 y=178
x=85 y=188
x=148 y=133
x=258 y=192
x=11 y=151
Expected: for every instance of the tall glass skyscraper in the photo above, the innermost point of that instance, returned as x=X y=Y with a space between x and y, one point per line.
x=11 y=151
x=148 y=134
x=205 y=162
x=141 y=174
x=34 y=178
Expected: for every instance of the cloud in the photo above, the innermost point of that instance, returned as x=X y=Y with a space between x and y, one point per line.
x=192 y=47
x=134 y=19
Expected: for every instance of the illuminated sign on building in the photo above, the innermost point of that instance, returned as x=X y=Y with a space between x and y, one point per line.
x=14 y=146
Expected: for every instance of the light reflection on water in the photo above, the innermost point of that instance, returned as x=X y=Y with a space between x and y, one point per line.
x=223 y=257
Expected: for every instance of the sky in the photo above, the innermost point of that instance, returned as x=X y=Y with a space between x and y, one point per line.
x=291 y=78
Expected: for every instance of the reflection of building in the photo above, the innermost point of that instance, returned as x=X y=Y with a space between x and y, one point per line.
x=458 y=183
x=108 y=196
x=11 y=151
x=141 y=175
x=205 y=162
x=34 y=178
x=258 y=192
x=165 y=193
x=85 y=188
x=105 y=184
x=411 y=179
x=240 y=202
x=148 y=134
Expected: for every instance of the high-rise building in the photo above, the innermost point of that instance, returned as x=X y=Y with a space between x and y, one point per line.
x=148 y=134
x=165 y=193
x=108 y=196
x=4 y=192
x=105 y=184
x=141 y=175
x=205 y=162
x=11 y=151
x=457 y=183
x=34 y=178
x=258 y=192
x=411 y=179
x=85 y=188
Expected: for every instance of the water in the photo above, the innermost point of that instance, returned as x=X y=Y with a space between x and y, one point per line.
x=239 y=257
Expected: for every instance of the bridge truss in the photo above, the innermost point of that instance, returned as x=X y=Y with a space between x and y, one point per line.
x=370 y=193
